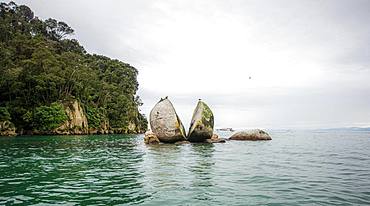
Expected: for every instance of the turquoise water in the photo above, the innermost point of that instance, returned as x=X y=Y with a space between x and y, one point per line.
x=295 y=168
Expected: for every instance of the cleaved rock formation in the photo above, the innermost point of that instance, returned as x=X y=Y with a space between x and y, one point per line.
x=165 y=123
x=201 y=127
x=167 y=127
x=251 y=135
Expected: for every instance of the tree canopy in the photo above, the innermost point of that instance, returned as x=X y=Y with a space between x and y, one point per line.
x=41 y=65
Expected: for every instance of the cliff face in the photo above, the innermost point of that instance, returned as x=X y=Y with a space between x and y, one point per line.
x=76 y=124
x=77 y=120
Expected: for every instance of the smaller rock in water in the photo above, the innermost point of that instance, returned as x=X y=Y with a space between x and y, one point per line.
x=251 y=135
x=215 y=140
x=215 y=137
x=150 y=138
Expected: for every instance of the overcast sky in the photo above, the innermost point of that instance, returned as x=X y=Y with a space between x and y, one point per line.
x=309 y=61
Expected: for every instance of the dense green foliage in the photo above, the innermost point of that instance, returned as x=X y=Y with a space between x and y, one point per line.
x=4 y=114
x=95 y=116
x=40 y=65
x=48 y=117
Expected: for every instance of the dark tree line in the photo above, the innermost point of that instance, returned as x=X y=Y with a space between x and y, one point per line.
x=40 y=65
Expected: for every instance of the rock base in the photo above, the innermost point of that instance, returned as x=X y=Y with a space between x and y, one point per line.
x=182 y=142
x=150 y=138
x=216 y=139
x=7 y=129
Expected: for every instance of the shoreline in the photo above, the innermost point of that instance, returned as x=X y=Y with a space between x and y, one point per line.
x=69 y=134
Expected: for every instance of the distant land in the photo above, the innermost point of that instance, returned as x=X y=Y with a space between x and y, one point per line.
x=229 y=129
x=346 y=129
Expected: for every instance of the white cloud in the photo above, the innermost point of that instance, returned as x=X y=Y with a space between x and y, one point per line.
x=308 y=60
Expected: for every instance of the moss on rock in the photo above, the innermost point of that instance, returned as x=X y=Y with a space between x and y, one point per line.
x=201 y=127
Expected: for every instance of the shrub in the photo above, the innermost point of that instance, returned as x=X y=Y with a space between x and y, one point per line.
x=49 y=117
x=4 y=114
x=94 y=117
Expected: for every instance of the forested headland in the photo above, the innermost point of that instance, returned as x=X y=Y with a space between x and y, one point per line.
x=49 y=84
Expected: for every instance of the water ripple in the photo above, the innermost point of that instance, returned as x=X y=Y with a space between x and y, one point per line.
x=295 y=168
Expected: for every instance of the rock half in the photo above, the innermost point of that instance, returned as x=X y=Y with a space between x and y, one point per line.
x=165 y=123
x=201 y=126
x=251 y=135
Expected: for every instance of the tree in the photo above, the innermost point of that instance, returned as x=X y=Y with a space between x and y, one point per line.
x=57 y=30
x=39 y=66
x=4 y=114
x=46 y=118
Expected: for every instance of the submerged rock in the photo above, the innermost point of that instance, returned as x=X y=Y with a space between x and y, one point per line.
x=165 y=123
x=201 y=127
x=182 y=142
x=150 y=138
x=251 y=135
x=216 y=139
x=215 y=136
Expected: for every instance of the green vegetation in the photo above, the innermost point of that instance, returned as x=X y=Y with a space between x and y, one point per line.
x=4 y=114
x=95 y=117
x=41 y=68
x=48 y=117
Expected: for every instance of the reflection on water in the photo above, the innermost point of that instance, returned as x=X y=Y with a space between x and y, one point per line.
x=294 y=168
x=202 y=171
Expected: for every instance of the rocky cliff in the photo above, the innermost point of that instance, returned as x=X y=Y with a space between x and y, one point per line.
x=77 y=120
x=76 y=124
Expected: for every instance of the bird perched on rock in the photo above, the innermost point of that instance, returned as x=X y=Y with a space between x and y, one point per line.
x=164 y=98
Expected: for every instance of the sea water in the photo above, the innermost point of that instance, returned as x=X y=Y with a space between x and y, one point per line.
x=295 y=168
